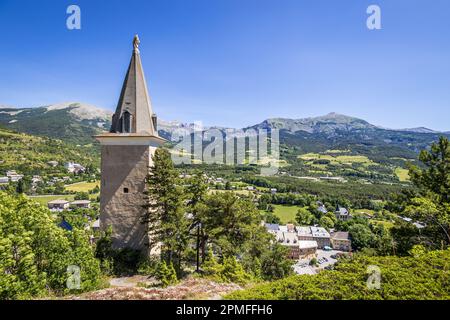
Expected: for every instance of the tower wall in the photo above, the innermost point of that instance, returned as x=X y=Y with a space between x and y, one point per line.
x=124 y=170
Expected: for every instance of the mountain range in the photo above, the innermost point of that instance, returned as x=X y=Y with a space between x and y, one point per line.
x=78 y=122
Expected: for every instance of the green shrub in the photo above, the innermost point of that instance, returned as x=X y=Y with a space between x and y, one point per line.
x=35 y=253
x=424 y=276
x=166 y=274
x=230 y=270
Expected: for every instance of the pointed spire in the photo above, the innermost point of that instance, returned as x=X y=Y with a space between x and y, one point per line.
x=134 y=112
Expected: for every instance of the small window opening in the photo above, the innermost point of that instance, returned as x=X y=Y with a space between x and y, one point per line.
x=126 y=190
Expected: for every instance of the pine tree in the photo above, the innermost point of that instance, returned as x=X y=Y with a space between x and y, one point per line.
x=166 y=274
x=196 y=191
x=166 y=218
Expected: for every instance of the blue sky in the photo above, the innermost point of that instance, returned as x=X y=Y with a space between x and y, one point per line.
x=236 y=62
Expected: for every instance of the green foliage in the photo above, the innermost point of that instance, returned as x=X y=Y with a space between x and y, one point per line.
x=228 y=221
x=362 y=236
x=119 y=262
x=274 y=264
x=349 y=194
x=166 y=274
x=424 y=276
x=326 y=222
x=82 y=196
x=166 y=210
x=233 y=271
x=270 y=217
x=29 y=155
x=35 y=253
x=435 y=177
x=431 y=204
x=313 y=262
x=304 y=217
x=230 y=270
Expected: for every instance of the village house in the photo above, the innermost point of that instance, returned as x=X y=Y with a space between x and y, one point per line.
x=342 y=214
x=304 y=233
x=36 y=179
x=58 y=205
x=273 y=191
x=322 y=237
x=341 y=241
x=302 y=241
x=289 y=240
x=4 y=180
x=80 y=204
x=321 y=208
x=14 y=176
x=318 y=234
x=307 y=248
x=73 y=167
x=272 y=228
x=52 y=163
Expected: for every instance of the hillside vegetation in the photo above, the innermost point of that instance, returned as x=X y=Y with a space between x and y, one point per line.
x=71 y=122
x=423 y=275
x=30 y=154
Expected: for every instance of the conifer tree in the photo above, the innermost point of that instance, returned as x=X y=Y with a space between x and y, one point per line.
x=166 y=216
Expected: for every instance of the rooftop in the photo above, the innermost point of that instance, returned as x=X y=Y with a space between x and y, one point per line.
x=340 y=235
x=306 y=244
x=342 y=211
x=304 y=231
x=272 y=226
x=58 y=201
x=319 y=232
x=81 y=202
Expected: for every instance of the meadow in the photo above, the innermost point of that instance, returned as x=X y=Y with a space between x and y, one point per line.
x=82 y=186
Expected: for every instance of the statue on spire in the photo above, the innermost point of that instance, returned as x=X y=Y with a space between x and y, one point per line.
x=136 y=42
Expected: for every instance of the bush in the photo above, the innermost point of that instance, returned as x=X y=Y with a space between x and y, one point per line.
x=424 y=276
x=230 y=270
x=35 y=253
x=166 y=274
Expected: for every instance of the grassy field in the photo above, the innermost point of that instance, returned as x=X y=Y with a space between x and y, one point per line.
x=239 y=192
x=82 y=186
x=345 y=159
x=402 y=174
x=386 y=224
x=368 y=211
x=285 y=213
x=44 y=199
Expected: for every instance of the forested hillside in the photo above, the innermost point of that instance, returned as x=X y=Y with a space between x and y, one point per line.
x=30 y=155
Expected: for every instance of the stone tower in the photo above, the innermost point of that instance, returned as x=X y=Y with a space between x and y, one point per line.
x=126 y=156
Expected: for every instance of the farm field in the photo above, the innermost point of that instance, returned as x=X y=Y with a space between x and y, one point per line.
x=82 y=186
x=341 y=159
x=239 y=192
x=402 y=174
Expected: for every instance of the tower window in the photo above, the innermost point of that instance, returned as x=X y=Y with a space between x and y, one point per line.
x=126 y=190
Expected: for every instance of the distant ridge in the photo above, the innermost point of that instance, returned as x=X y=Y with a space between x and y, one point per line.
x=70 y=121
x=78 y=122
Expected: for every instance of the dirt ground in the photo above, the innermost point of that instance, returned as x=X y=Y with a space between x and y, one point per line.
x=141 y=288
